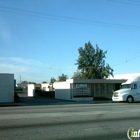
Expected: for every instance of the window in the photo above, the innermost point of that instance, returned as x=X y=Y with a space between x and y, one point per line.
x=98 y=88
x=125 y=86
x=80 y=90
x=102 y=88
x=135 y=86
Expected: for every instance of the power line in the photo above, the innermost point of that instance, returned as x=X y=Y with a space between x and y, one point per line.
x=126 y=61
x=64 y=18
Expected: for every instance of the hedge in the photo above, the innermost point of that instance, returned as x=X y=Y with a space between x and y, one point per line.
x=101 y=98
x=16 y=98
x=44 y=93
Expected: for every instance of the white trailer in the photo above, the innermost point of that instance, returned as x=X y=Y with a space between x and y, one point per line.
x=130 y=91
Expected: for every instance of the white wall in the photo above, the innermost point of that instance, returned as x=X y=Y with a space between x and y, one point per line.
x=31 y=90
x=45 y=85
x=62 y=90
x=6 y=88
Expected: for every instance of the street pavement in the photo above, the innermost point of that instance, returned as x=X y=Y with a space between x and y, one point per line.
x=105 y=121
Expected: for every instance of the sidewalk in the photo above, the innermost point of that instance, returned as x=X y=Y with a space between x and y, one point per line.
x=34 y=101
x=101 y=101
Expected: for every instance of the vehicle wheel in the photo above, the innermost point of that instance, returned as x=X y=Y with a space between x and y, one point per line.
x=129 y=99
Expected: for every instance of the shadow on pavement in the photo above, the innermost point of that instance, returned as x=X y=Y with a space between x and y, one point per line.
x=24 y=100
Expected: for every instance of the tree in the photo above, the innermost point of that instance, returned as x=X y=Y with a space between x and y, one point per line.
x=32 y=83
x=52 y=80
x=51 y=88
x=77 y=75
x=44 y=82
x=24 y=82
x=63 y=77
x=91 y=63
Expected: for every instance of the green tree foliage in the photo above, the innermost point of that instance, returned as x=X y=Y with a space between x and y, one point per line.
x=63 y=77
x=91 y=63
x=44 y=82
x=51 y=88
x=77 y=75
x=52 y=80
x=32 y=83
x=24 y=82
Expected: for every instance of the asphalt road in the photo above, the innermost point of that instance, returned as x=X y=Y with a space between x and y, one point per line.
x=109 y=121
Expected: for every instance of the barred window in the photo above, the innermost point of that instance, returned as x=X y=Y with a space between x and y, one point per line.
x=81 y=90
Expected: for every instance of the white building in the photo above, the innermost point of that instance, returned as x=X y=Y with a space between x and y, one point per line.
x=6 y=87
x=81 y=89
x=124 y=76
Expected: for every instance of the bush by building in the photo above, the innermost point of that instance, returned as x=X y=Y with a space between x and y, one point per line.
x=45 y=93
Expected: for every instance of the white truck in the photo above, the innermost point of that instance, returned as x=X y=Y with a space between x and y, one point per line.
x=130 y=91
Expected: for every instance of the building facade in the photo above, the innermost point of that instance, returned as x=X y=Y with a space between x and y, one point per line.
x=7 y=87
x=84 y=89
x=95 y=87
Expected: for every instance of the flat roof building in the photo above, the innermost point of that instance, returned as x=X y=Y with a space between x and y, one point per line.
x=84 y=89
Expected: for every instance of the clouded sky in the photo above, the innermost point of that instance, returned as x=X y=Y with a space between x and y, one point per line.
x=39 y=39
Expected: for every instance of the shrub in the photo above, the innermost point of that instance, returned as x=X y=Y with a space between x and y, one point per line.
x=101 y=98
x=16 y=98
x=44 y=93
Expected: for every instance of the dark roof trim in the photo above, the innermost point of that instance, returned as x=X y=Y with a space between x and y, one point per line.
x=94 y=81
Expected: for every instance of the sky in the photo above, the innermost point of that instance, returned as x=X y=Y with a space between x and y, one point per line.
x=39 y=39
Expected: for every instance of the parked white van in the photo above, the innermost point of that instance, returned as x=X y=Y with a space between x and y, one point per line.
x=130 y=91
